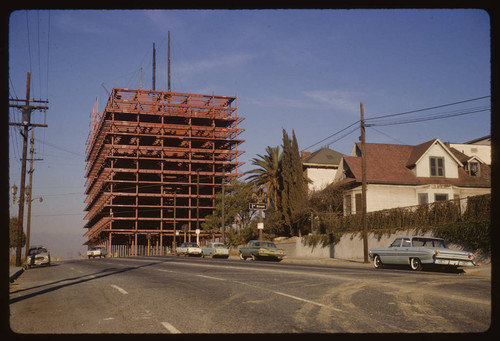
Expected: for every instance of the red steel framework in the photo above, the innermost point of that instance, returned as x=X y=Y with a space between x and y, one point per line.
x=155 y=160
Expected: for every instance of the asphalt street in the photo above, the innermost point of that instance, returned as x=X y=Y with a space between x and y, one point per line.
x=192 y=295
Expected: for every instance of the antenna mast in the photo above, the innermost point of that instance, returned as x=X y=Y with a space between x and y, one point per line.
x=154 y=67
x=169 y=88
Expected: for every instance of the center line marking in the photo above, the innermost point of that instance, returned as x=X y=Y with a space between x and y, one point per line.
x=119 y=289
x=171 y=328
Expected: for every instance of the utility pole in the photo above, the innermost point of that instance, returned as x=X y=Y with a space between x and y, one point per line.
x=26 y=124
x=363 y=185
x=223 y=195
x=197 y=198
x=30 y=192
x=154 y=67
x=169 y=88
x=175 y=220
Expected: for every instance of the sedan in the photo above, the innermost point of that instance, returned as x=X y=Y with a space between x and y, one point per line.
x=418 y=251
x=189 y=249
x=259 y=249
x=37 y=256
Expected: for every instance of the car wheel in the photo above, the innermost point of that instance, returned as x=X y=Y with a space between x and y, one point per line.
x=377 y=263
x=242 y=257
x=415 y=264
x=202 y=255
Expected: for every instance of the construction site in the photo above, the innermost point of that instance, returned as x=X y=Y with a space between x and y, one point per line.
x=155 y=160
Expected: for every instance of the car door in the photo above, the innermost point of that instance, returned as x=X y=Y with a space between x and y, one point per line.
x=390 y=255
x=404 y=251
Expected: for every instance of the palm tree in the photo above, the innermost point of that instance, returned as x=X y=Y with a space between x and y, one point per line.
x=268 y=173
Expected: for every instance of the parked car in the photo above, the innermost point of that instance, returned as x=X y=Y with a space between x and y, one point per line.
x=260 y=249
x=215 y=249
x=37 y=256
x=418 y=251
x=189 y=249
x=96 y=251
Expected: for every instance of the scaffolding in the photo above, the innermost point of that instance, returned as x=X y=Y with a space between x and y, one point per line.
x=155 y=160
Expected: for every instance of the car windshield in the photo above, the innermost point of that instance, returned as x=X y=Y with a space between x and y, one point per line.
x=191 y=245
x=429 y=242
x=37 y=250
x=396 y=243
x=218 y=245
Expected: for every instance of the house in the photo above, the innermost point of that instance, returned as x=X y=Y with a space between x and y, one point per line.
x=480 y=148
x=405 y=175
x=321 y=167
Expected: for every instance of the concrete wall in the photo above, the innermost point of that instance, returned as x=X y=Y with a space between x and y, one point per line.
x=350 y=246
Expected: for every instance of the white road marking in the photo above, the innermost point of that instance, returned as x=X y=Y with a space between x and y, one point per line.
x=119 y=289
x=210 y=277
x=171 y=328
x=307 y=301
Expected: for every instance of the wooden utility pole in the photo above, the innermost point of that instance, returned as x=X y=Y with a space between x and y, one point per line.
x=26 y=109
x=30 y=193
x=363 y=185
x=222 y=215
x=175 y=219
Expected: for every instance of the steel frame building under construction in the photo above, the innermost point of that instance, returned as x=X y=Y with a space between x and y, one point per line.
x=155 y=160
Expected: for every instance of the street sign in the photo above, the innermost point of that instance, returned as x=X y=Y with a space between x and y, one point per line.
x=258 y=206
x=260 y=226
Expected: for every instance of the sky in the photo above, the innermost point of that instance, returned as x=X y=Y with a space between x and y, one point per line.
x=301 y=70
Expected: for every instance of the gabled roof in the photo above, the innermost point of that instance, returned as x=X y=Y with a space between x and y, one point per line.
x=420 y=150
x=391 y=163
x=324 y=156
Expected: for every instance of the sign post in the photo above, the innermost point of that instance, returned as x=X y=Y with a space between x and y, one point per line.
x=260 y=207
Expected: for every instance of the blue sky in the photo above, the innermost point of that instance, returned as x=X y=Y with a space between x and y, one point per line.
x=306 y=70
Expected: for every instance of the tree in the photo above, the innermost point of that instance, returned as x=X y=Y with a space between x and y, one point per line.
x=293 y=184
x=237 y=197
x=13 y=226
x=268 y=174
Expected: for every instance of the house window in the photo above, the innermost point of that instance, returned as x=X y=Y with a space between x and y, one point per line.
x=423 y=198
x=348 y=205
x=437 y=166
x=440 y=197
x=359 y=203
x=474 y=168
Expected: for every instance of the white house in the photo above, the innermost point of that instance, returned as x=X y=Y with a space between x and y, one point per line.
x=404 y=175
x=321 y=167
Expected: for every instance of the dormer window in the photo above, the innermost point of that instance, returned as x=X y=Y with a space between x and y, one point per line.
x=437 y=166
x=474 y=168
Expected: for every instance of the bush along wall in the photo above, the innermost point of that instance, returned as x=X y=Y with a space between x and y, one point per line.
x=446 y=219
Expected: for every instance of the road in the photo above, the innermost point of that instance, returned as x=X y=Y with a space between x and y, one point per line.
x=191 y=295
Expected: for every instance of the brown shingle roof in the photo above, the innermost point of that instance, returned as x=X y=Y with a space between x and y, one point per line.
x=392 y=163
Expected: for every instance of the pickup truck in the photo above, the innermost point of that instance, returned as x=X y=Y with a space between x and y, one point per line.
x=215 y=249
x=189 y=249
x=96 y=251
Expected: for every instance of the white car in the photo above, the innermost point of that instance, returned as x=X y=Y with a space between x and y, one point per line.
x=189 y=249
x=214 y=249
x=96 y=251
x=38 y=255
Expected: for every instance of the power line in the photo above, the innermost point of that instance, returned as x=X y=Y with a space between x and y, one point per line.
x=430 y=118
x=334 y=134
x=425 y=109
x=406 y=121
